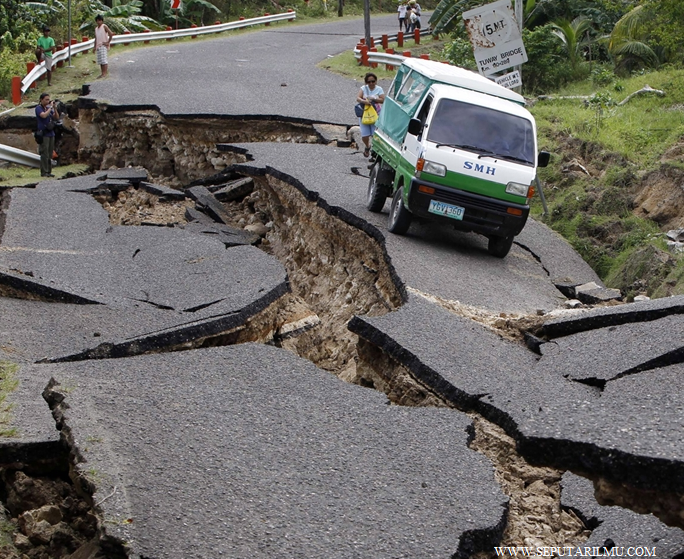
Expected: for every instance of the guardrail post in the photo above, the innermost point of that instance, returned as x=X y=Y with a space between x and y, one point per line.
x=290 y=11
x=60 y=64
x=217 y=22
x=389 y=67
x=400 y=39
x=169 y=28
x=372 y=42
x=146 y=42
x=374 y=64
x=30 y=66
x=16 y=90
x=193 y=26
x=425 y=56
x=385 y=41
x=362 y=41
x=364 y=55
x=407 y=53
x=85 y=40
x=127 y=33
x=416 y=36
x=241 y=18
x=268 y=22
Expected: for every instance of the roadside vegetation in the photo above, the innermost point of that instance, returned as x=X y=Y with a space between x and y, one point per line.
x=8 y=383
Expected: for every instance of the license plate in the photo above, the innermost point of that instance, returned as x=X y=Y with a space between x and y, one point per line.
x=449 y=210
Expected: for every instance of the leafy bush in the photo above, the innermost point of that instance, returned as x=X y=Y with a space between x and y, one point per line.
x=548 y=67
x=11 y=65
x=460 y=53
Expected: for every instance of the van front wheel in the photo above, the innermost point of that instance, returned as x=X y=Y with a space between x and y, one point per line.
x=377 y=193
x=399 y=217
x=499 y=246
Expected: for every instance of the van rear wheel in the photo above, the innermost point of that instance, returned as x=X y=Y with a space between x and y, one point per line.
x=399 y=217
x=499 y=246
x=377 y=193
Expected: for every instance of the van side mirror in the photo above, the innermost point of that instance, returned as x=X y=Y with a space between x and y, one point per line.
x=415 y=127
x=543 y=158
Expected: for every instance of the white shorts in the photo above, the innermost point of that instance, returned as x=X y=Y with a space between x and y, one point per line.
x=102 y=55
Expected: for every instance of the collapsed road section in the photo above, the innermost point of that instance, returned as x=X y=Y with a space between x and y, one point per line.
x=252 y=448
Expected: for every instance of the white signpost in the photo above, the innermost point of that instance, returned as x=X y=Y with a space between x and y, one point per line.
x=495 y=36
x=510 y=80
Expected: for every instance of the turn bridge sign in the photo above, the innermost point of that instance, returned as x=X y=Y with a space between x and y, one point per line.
x=495 y=37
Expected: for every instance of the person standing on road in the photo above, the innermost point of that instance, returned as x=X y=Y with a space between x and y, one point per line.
x=103 y=38
x=369 y=94
x=402 y=14
x=47 y=114
x=44 y=52
x=415 y=14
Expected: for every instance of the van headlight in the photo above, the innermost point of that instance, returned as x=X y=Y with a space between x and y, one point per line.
x=517 y=189
x=434 y=168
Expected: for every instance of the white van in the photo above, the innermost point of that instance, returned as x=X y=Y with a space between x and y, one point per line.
x=451 y=145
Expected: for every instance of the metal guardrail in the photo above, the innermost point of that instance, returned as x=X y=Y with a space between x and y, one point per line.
x=14 y=155
x=63 y=54
x=391 y=59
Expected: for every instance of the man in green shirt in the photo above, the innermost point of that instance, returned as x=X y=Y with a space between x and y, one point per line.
x=44 y=51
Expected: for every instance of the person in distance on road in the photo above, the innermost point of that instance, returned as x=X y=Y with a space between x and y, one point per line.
x=44 y=52
x=402 y=14
x=369 y=94
x=103 y=38
x=47 y=114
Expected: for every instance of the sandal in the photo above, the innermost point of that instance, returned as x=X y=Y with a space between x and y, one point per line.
x=366 y=152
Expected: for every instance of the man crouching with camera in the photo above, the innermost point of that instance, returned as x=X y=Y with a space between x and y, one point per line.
x=47 y=115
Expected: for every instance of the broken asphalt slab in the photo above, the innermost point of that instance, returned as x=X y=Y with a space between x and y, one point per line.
x=604 y=354
x=616 y=527
x=629 y=433
x=262 y=453
x=589 y=319
x=58 y=244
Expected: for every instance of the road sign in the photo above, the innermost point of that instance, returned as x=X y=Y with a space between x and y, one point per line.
x=495 y=37
x=510 y=80
x=175 y=4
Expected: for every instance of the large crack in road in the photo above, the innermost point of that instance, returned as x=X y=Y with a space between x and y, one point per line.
x=337 y=268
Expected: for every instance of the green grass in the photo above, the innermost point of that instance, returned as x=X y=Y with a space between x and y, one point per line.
x=640 y=130
x=8 y=383
x=17 y=175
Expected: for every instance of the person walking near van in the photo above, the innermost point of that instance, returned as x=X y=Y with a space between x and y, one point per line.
x=47 y=114
x=103 y=38
x=369 y=94
x=402 y=14
x=44 y=52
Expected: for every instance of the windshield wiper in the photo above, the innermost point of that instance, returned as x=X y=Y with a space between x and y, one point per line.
x=461 y=146
x=514 y=158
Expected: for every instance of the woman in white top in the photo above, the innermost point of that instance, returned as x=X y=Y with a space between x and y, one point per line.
x=370 y=94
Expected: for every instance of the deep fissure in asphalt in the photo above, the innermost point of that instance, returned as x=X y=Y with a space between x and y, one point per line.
x=337 y=268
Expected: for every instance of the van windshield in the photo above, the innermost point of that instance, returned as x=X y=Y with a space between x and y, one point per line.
x=483 y=131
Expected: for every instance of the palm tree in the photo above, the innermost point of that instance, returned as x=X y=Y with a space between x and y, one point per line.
x=627 y=43
x=574 y=36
